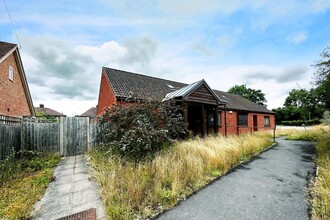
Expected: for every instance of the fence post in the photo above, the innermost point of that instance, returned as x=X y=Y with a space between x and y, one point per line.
x=88 y=134
x=61 y=138
x=22 y=134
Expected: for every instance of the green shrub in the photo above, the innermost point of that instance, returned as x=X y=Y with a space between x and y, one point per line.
x=141 y=130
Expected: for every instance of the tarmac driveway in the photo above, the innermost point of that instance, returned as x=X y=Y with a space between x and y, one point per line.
x=272 y=186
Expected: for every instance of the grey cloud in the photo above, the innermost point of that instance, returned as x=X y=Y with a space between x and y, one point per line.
x=139 y=52
x=64 y=71
x=287 y=74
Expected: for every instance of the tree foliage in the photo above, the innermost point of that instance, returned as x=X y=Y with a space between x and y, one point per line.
x=253 y=95
x=322 y=77
x=301 y=104
x=139 y=131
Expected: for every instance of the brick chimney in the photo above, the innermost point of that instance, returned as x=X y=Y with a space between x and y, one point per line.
x=41 y=106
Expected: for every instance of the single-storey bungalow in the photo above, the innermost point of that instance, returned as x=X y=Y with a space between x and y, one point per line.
x=206 y=111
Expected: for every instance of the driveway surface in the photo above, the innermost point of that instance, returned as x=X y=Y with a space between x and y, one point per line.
x=71 y=192
x=272 y=186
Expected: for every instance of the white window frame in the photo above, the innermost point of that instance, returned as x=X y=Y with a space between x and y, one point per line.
x=11 y=73
x=267 y=121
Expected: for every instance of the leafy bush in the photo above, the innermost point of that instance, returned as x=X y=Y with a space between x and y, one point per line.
x=139 y=131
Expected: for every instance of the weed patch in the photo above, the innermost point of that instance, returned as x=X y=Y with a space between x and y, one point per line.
x=142 y=190
x=24 y=181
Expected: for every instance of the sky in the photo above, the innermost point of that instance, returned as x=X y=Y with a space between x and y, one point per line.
x=269 y=45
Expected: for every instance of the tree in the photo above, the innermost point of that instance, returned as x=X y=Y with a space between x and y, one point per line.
x=322 y=77
x=301 y=104
x=253 y=95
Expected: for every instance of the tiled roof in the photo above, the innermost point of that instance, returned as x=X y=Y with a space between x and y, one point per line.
x=89 y=113
x=237 y=102
x=49 y=112
x=133 y=85
x=5 y=48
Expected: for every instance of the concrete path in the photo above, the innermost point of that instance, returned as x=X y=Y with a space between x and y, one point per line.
x=273 y=186
x=72 y=191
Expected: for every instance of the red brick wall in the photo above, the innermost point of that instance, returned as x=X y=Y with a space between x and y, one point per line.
x=106 y=96
x=232 y=127
x=13 y=100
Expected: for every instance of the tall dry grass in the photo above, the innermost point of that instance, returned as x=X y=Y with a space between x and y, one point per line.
x=141 y=190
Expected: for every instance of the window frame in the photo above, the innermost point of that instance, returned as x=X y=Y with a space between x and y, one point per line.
x=242 y=121
x=267 y=124
x=11 y=73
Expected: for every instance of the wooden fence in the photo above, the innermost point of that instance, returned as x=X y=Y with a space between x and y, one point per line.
x=68 y=136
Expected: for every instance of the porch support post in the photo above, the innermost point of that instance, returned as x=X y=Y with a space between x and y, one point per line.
x=216 y=125
x=185 y=113
x=203 y=122
x=225 y=120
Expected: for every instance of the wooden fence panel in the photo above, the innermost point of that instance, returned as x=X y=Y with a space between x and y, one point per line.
x=10 y=138
x=75 y=135
x=40 y=136
x=70 y=136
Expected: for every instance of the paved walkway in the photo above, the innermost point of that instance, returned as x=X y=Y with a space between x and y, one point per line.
x=273 y=186
x=72 y=191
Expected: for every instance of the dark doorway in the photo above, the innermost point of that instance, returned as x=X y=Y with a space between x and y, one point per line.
x=202 y=119
x=195 y=118
x=255 y=123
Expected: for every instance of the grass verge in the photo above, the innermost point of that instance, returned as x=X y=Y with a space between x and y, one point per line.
x=321 y=191
x=142 y=190
x=24 y=179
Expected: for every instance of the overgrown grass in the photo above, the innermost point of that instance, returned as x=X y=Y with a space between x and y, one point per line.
x=24 y=178
x=321 y=191
x=141 y=190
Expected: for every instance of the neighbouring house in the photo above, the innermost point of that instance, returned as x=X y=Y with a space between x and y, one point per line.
x=90 y=113
x=15 y=97
x=206 y=111
x=42 y=111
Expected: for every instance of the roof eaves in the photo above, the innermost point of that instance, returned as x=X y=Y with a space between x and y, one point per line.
x=8 y=53
x=25 y=84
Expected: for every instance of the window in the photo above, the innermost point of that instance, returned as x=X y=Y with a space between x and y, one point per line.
x=11 y=73
x=210 y=119
x=267 y=120
x=243 y=119
x=219 y=119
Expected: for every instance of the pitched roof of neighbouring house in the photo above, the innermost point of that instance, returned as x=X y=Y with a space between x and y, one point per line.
x=48 y=111
x=132 y=85
x=89 y=113
x=5 y=48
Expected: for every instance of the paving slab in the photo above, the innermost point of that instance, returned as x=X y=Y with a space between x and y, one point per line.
x=272 y=186
x=72 y=191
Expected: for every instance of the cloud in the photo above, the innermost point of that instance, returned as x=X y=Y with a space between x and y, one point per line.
x=277 y=74
x=140 y=52
x=203 y=50
x=57 y=68
x=297 y=38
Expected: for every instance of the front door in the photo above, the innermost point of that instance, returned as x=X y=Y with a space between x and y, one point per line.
x=255 y=123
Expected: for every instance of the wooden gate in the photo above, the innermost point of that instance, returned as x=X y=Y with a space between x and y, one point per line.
x=74 y=133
